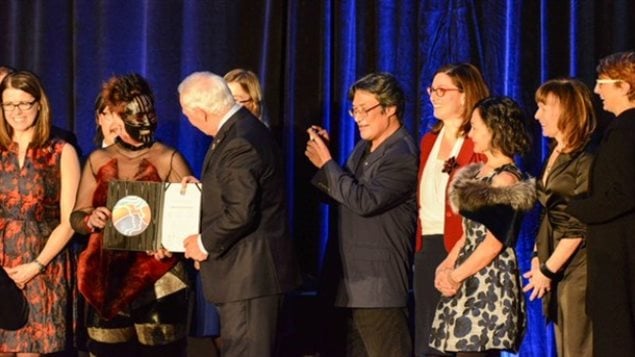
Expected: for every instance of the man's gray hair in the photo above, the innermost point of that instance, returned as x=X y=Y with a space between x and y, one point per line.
x=207 y=91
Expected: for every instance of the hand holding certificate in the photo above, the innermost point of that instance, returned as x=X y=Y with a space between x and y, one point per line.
x=149 y=215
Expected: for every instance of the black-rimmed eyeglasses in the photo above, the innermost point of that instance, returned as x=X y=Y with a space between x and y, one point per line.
x=24 y=106
x=361 y=113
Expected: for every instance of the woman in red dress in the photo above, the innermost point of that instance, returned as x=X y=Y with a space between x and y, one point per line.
x=38 y=182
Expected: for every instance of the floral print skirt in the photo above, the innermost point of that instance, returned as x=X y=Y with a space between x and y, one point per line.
x=488 y=311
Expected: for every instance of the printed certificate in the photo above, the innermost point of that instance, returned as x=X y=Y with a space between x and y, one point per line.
x=149 y=215
x=181 y=215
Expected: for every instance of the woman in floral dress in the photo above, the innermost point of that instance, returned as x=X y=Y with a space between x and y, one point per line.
x=39 y=176
x=482 y=309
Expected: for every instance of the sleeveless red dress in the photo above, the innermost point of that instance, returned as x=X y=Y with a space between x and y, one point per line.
x=110 y=280
x=29 y=212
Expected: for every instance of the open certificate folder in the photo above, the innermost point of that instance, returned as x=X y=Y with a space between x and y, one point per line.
x=149 y=215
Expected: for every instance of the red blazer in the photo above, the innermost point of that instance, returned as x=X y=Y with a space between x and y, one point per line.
x=453 y=229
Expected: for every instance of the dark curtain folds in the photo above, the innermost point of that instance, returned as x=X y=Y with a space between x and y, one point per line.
x=307 y=54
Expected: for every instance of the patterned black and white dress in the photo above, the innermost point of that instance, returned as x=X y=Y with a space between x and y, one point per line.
x=488 y=311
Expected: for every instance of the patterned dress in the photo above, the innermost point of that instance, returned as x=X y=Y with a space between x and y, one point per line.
x=488 y=310
x=29 y=211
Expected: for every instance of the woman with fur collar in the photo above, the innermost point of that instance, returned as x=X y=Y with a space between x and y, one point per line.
x=482 y=309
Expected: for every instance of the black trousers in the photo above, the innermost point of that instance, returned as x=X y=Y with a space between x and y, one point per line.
x=426 y=295
x=611 y=289
x=378 y=332
x=248 y=327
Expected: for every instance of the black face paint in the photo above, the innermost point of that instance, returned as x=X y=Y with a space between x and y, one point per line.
x=140 y=119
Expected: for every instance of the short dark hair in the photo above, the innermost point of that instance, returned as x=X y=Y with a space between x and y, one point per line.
x=504 y=118
x=385 y=88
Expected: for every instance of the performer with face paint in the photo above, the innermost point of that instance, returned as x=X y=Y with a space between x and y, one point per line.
x=137 y=301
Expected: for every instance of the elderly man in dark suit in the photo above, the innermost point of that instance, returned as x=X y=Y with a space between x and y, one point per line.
x=245 y=252
x=375 y=193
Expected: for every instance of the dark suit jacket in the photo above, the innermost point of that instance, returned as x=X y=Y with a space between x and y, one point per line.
x=244 y=216
x=14 y=309
x=377 y=213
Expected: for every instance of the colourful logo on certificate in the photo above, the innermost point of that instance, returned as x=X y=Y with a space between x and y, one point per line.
x=131 y=215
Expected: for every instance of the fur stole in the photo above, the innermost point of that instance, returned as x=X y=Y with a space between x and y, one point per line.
x=469 y=193
x=499 y=209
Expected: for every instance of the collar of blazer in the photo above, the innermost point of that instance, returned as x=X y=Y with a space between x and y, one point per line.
x=381 y=149
x=220 y=136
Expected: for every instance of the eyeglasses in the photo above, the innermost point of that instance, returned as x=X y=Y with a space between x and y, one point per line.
x=440 y=91
x=24 y=106
x=361 y=113
x=607 y=81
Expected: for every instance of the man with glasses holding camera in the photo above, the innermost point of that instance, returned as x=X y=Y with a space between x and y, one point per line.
x=375 y=193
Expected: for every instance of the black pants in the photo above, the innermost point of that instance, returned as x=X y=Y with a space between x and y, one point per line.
x=248 y=327
x=378 y=332
x=426 y=295
x=611 y=289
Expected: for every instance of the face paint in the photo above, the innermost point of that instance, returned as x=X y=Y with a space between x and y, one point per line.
x=140 y=119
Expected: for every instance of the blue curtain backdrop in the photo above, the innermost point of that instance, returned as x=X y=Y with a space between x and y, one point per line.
x=307 y=53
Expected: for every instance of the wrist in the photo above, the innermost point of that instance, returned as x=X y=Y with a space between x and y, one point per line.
x=548 y=272
x=41 y=267
x=454 y=280
x=87 y=224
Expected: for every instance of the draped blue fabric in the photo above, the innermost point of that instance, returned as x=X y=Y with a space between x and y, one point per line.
x=307 y=54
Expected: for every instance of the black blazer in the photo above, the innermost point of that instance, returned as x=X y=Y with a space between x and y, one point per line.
x=244 y=216
x=612 y=185
x=609 y=210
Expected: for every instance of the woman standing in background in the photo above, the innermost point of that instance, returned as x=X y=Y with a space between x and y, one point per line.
x=247 y=91
x=454 y=90
x=609 y=212
x=558 y=272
